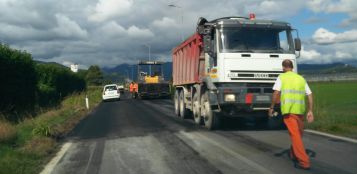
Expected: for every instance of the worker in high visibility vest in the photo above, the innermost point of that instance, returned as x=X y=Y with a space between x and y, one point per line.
x=133 y=88
x=292 y=89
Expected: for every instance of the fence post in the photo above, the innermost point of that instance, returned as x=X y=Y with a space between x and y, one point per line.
x=87 y=102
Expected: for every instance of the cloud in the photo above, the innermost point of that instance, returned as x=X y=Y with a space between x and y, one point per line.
x=136 y=32
x=68 y=28
x=322 y=53
x=67 y=63
x=340 y=54
x=111 y=32
x=323 y=36
x=107 y=9
x=165 y=23
x=268 y=8
x=336 y=6
x=114 y=30
x=309 y=54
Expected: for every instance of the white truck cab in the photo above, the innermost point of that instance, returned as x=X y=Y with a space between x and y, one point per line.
x=242 y=60
x=249 y=50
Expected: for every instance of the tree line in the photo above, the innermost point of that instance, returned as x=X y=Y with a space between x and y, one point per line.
x=27 y=86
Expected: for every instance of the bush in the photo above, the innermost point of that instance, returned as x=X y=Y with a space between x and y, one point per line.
x=42 y=129
x=18 y=79
x=25 y=85
x=56 y=82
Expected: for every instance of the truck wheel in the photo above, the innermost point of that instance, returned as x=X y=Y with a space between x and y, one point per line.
x=211 y=119
x=182 y=106
x=196 y=109
x=177 y=103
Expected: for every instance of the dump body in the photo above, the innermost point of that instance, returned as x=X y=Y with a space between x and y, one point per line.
x=188 y=61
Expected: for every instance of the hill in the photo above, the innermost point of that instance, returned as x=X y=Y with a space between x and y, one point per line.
x=50 y=63
x=131 y=70
x=333 y=68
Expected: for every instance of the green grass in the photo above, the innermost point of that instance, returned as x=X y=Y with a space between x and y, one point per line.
x=31 y=150
x=335 y=107
x=15 y=161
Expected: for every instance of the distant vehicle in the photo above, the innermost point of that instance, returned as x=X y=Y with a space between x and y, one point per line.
x=152 y=84
x=121 y=89
x=111 y=92
x=228 y=68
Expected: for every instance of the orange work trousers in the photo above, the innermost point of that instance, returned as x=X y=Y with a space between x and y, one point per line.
x=295 y=126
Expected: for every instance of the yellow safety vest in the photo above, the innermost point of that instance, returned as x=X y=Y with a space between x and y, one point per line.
x=292 y=93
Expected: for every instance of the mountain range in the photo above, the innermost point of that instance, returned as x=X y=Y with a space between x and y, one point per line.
x=130 y=71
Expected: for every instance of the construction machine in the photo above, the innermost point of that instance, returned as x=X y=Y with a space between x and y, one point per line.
x=151 y=82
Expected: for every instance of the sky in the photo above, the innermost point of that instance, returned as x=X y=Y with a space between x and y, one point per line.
x=111 y=32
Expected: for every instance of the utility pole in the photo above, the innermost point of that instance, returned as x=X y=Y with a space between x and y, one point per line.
x=181 y=11
x=149 y=46
x=132 y=72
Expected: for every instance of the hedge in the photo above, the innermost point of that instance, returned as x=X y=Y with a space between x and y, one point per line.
x=27 y=85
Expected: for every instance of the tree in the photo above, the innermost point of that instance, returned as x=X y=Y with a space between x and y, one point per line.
x=94 y=75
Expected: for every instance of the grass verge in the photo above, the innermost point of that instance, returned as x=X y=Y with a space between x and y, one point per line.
x=27 y=146
x=335 y=108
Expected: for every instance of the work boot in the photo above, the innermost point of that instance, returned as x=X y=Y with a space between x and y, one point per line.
x=296 y=161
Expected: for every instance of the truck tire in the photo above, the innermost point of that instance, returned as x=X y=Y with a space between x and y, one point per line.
x=196 y=109
x=183 y=111
x=212 y=120
x=177 y=103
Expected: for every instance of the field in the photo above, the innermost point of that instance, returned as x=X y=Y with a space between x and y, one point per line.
x=335 y=107
x=27 y=146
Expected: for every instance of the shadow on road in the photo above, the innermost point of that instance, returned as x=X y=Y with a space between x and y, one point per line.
x=125 y=118
x=247 y=124
x=286 y=152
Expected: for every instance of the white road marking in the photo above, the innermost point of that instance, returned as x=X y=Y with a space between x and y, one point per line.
x=331 y=136
x=52 y=164
x=90 y=158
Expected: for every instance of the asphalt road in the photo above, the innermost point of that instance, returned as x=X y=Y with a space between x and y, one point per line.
x=144 y=136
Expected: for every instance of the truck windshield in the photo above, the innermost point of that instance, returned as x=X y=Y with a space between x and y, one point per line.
x=255 y=40
x=155 y=69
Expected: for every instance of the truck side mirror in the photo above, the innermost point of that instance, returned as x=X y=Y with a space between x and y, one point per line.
x=200 y=25
x=297 y=42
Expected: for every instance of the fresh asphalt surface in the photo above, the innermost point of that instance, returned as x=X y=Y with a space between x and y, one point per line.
x=144 y=136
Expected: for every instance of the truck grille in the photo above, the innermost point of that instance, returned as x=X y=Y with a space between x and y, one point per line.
x=254 y=75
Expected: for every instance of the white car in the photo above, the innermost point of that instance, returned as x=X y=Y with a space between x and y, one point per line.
x=111 y=92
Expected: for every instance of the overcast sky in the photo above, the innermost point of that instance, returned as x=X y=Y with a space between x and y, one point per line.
x=111 y=32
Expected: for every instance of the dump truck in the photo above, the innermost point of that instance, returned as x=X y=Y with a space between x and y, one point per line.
x=151 y=82
x=228 y=66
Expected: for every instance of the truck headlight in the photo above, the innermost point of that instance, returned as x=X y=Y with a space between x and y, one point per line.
x=229 y=97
